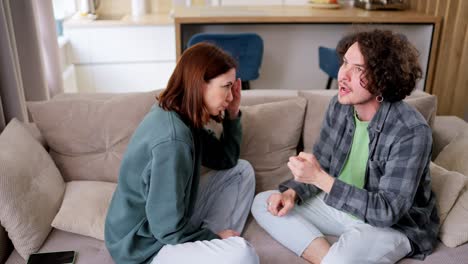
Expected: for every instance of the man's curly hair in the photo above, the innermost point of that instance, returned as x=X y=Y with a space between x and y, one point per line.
x=391 y=62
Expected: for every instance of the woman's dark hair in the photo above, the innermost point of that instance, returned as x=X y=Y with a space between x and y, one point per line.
x=196 y=67
x=391 y=62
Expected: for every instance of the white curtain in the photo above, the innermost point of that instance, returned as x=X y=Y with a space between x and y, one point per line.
x=28 y=56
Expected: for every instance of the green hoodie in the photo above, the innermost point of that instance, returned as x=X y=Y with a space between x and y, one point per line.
x=158 y=183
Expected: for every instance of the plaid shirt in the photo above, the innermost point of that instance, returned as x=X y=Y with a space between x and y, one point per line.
x=397 y=191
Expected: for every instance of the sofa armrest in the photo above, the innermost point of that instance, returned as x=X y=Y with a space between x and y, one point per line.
x=444 y=130
x=5 y=245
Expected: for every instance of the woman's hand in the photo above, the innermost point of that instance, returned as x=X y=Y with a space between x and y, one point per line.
x=233 y=107
x=307 y=169
x=280 y=204
x=227 y=233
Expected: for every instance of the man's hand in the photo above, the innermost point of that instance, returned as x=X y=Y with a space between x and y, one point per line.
x=307 y=169
x=280 y=204
x=227 y=233
x=233 y=107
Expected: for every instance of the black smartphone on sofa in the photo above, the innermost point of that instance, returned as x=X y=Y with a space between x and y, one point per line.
x=62 y=257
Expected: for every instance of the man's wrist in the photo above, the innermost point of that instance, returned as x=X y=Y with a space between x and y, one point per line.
x=292 y=193
x=325 y=182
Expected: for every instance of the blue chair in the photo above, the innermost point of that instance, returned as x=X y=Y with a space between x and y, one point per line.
x=245 y=48
x=329 y=62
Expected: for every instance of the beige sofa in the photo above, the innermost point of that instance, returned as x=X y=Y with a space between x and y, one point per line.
x=86 y=135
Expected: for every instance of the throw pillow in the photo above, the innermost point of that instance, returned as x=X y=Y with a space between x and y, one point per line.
x=31 y=189
x=454 y=231
x=425 y=103
x=454 y=155
x=84 y=208
x=271 y=133
x=88 y=134
x=447 y=186
x=317 y=104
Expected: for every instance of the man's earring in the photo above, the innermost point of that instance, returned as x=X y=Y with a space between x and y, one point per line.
x=379 y=98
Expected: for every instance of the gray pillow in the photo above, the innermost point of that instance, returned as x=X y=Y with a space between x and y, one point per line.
x=271 y=133
x=31 y=189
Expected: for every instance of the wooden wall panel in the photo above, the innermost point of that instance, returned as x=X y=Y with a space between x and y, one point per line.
x=450 y=82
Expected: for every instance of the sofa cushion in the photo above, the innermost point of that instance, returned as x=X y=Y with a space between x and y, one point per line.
x=90 y=250
x=84 y=208
x=271 y=133
x=317 y=104
x=272 y=252
x=445 y=129
x=254 y=97
x=87 y=136
x=447 y=186
x=454 y=155
x=31 y=188
x=454 y=231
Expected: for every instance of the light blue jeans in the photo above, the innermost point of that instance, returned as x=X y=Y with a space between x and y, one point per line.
x=358 y=242
x=223 y=202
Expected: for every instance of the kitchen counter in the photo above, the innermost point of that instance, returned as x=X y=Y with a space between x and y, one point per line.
x=295 y=14
x=120 y=20
x=304 y=28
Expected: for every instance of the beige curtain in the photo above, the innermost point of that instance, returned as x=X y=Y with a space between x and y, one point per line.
x=11 y=85
x=28 y=56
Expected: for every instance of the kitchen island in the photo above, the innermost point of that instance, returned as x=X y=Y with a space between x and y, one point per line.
x=292 y=35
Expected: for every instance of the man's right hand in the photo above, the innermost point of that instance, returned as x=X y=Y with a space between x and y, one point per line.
x=227 y=233
x=280 y=204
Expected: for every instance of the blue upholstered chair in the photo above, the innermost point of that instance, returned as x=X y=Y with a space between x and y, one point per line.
x=329 y=62
x=245 y=48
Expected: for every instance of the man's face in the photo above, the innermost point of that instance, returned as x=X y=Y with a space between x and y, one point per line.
x=351 y=79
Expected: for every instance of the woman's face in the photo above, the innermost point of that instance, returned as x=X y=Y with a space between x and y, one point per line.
x=217 y=92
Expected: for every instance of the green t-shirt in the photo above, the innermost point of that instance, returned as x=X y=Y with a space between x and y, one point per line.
x=355 y=167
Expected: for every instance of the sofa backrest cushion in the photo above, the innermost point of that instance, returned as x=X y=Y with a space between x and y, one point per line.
x=31 y=189
x=271 y=133
x=454 y=156
x=445 y=129
x=88 y=134
x=318 y=100
x=254 y=97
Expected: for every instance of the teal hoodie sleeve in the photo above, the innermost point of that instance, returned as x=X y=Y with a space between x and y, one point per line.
x=223 y=153
x=168 y=195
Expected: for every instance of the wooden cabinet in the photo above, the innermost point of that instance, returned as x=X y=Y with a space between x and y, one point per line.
x=122 y=58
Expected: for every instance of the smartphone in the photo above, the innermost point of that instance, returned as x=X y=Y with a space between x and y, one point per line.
x=62 y=257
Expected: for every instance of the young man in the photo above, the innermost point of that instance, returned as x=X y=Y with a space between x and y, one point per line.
x=367 y=181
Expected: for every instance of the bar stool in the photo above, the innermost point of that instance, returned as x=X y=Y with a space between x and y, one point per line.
x=245 y=48
x=329 y=63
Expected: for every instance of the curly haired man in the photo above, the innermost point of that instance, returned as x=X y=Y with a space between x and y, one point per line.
x=367 y=179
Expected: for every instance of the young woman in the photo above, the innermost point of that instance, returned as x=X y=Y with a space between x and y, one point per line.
x=161 y=211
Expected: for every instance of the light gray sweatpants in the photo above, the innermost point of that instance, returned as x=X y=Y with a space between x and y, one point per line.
x=223 y=202
x=358 y=242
